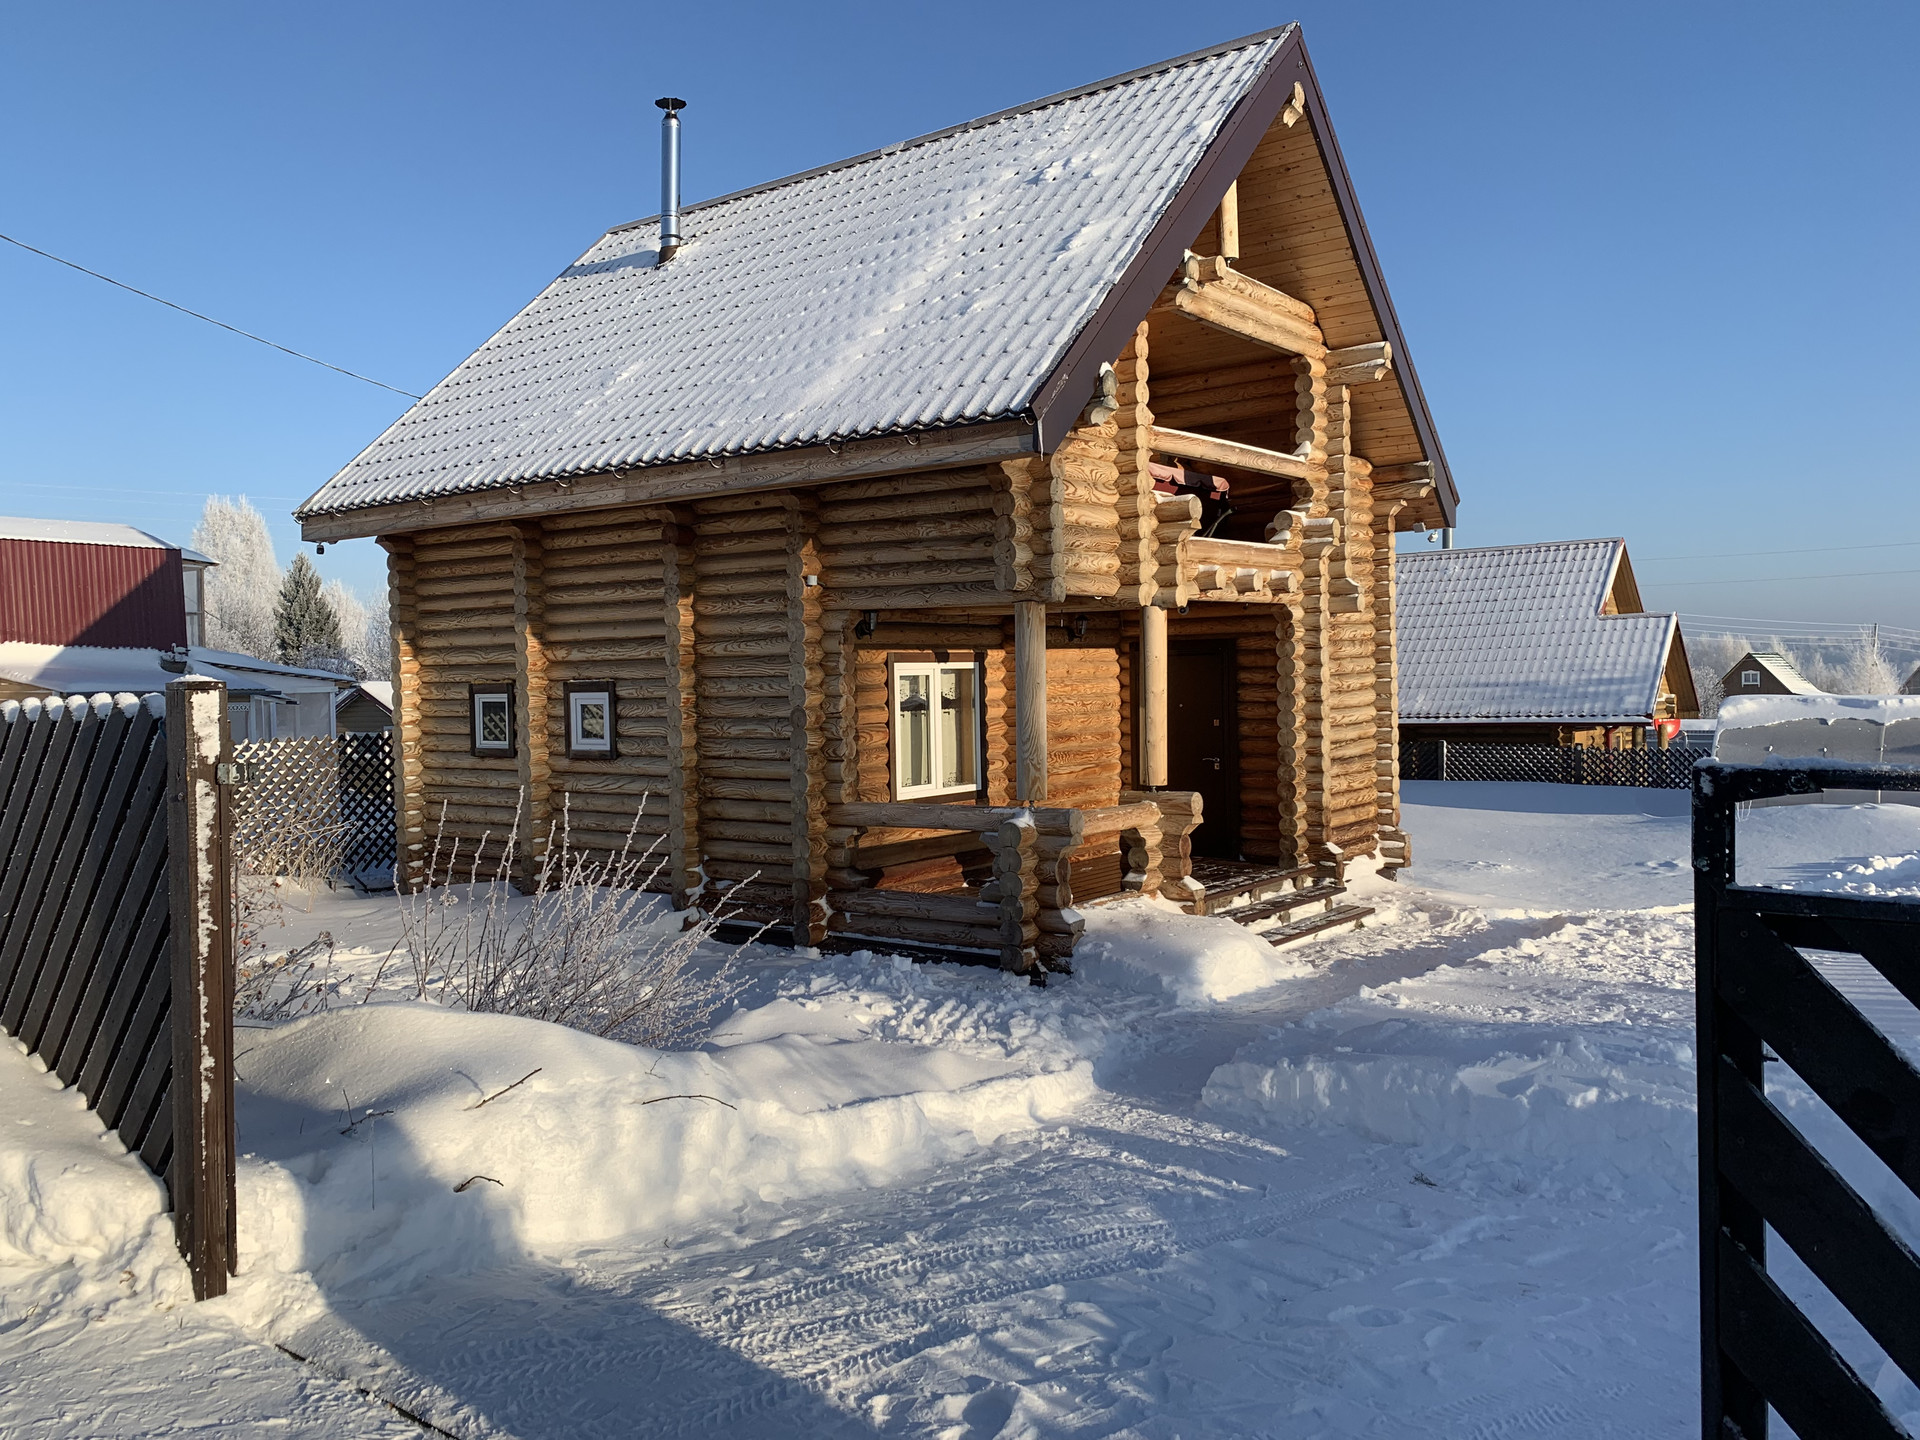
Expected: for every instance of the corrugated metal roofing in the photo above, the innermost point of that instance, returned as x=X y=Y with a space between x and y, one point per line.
x=1515 y=633
x=934 y=283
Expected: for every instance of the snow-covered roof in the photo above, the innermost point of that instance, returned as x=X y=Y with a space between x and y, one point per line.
x=254 y=665
x=90 y=532
x=1783 y=669
x=378 y=691
x=93 y=669
x=937 y=282
x=1515 y=633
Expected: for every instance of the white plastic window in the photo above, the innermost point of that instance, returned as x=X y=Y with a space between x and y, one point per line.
x=936 y=728
x=493 y=721
x=1749 y=677
x=590 y=722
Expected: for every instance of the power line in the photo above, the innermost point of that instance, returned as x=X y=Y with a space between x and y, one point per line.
x=248 y=334
x=1820 y=550
x=1771 y=579
x=1822 y=626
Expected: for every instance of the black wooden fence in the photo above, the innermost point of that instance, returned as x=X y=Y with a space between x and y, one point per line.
x=1547 y=764
x=93 y=967
x=1757 y=992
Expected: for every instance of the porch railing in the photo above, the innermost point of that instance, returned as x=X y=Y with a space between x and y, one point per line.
x=1023 y=913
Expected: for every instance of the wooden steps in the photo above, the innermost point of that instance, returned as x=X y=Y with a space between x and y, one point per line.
x=1313 y=924
x=1304 y=899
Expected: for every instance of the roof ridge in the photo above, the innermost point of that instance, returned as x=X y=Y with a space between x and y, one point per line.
x=1245 y=42
x=1517 y=545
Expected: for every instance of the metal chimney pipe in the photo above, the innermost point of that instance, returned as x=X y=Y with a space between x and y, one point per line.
x=669 y=176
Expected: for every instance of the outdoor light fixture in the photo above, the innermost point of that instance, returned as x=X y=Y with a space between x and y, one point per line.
x=1079 y=627
x=868 y=622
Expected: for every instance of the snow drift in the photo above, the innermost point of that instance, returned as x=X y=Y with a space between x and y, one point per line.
x=405 y=1139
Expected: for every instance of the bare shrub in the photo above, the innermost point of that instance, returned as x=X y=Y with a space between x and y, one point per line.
x=576 y=949
x=285 y=986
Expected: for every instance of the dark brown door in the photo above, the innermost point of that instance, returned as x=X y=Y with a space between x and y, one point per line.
x=1203 y=746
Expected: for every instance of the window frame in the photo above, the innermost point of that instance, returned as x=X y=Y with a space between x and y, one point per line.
x=580 y=688
x=934 y=661
x=492 y=690
x=1749 y=677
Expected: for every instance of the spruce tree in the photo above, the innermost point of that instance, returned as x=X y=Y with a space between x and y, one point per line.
x=305 y=629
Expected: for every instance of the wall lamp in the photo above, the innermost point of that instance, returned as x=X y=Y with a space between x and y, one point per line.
x=868 y=622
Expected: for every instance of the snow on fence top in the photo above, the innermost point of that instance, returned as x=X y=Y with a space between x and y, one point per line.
x=1515 y=633
x=1862 y=729
x=936 y=282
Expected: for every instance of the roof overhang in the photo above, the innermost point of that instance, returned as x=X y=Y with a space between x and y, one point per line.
x=1065 y=393
x=667 y=484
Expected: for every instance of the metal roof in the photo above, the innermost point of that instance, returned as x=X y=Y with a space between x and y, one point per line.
x=937 y=282
x=90 y=532
x=1515 y=634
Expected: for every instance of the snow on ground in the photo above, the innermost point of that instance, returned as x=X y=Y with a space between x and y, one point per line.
x=1429 y=1178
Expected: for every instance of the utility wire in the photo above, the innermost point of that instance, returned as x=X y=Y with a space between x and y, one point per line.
x=1772 y=579
x=248 y=334
x=1820 y=550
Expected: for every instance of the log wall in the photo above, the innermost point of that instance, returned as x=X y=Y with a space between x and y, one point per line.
x=461 y=618
x=604 y=617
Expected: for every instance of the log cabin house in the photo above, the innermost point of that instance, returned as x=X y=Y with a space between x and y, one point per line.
x=938 y=541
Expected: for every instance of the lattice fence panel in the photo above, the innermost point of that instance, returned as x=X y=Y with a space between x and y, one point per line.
x=1547 y=764
x=318 y=804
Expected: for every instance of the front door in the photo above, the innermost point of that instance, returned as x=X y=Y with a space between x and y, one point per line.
x=1203 y=744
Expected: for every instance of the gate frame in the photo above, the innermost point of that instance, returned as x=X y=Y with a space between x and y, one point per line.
x=1755 y=991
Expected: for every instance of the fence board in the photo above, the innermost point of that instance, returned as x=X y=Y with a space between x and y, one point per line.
x=95 y=880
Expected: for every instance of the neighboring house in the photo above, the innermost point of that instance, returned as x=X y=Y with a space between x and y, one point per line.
x=1912 y=685
x=364 y=708
x=88 y=608
x=1535 y=644
x=858 y=533
x=78 y=582
x=1766 y=672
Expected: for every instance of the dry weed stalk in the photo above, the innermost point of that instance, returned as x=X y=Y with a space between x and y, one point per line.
x=576 y=949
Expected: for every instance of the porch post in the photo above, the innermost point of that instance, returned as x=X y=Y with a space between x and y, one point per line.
x=1030 y=701
x=1153 y=681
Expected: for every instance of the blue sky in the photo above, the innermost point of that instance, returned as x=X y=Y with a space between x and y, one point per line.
x=1655 y=263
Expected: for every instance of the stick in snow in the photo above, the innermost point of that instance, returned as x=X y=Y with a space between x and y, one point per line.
x=715 y=1098
x=471 y=1178
x=515 y=1086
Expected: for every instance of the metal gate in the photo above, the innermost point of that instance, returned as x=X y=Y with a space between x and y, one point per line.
x=1756 y=992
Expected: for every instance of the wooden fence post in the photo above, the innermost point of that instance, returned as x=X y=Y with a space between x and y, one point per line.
x=200 y=1013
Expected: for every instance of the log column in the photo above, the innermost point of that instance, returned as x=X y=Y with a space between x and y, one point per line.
x=687 y=879
x=1030 y=702
x=403 y=612
x=807 y=714
x=1153 y=698
x=532 y=699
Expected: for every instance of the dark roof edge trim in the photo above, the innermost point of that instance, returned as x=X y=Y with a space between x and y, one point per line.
x=1245 y=42
x=1445 y=492
x=1065 y=392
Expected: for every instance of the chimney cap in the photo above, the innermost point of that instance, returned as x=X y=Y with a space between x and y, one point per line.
x=669 y=104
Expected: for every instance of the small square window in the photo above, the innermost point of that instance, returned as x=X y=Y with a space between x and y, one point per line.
x=592 y=719
x=1749 y=677
x=492 y=720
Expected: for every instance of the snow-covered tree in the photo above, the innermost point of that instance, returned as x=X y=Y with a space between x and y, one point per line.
x=305 y=629
x=363 y=630
x=243 y=589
